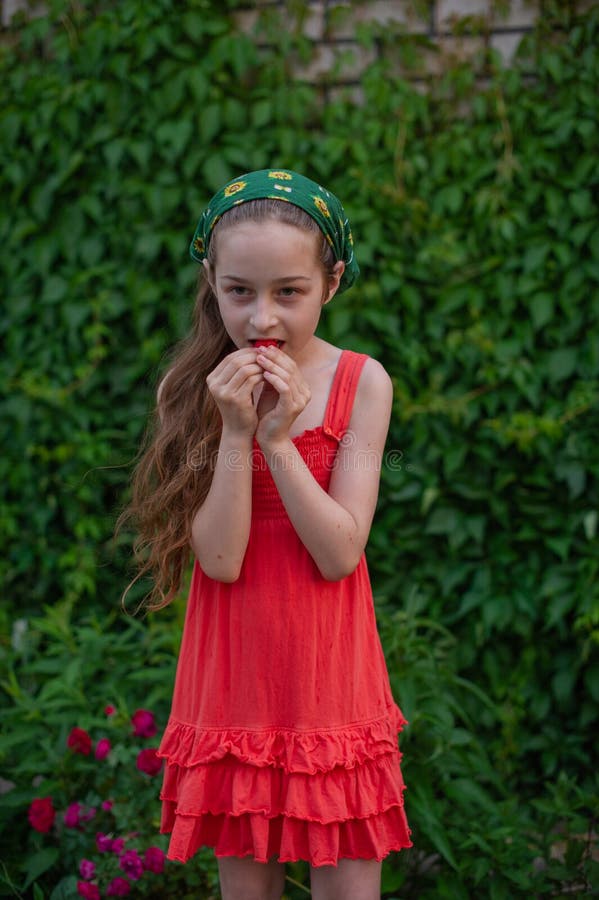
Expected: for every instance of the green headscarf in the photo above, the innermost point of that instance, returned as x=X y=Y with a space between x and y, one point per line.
x=291 y=187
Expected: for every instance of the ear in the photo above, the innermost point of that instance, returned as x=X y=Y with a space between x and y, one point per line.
x=333 y=281
x=209 y=273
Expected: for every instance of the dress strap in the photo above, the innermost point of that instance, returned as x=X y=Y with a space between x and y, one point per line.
x=343 y=392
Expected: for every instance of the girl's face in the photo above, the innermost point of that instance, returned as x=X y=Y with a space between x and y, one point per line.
x=270 y=283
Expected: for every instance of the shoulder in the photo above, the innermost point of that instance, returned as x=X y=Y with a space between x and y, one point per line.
x=375 y=386
x=371 y=412
x=374 y=374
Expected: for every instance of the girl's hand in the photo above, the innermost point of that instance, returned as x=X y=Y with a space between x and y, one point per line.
x=232 y=384
x=284 y=396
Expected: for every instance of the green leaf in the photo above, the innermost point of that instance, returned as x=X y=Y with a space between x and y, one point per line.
x=442 y=520
x=541 y=309
x=66 y=889
x=38 y=863
x=574 y=474
x=55 y=289
x=590 y=524
x=563 y=684
x=210 y=123
x=216 y=172
x=562 y=363
x=582 y=203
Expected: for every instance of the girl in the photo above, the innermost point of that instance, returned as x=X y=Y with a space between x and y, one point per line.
x=282 y=739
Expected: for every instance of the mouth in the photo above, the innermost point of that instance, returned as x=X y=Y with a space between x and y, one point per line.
x=266 y=342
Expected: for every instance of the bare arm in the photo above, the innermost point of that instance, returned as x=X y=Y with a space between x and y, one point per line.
x=221 y=526
x=334 y=526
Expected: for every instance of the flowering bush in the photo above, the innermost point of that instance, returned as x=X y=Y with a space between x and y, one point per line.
x=100 y=816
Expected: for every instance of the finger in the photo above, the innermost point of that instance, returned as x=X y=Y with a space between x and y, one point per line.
x=291 y=395
x=235 y=359
x=240 y=376
x=239 y=388
x=233 y=370
x=283 y=368
x=290 y=385
x=276 y=356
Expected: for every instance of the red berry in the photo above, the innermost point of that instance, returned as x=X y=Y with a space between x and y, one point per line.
x=266 y=342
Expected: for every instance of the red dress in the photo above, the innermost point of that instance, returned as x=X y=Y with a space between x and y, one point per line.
x=282 y=739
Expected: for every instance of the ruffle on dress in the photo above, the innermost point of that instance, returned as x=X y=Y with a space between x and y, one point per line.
x=284 y=748
x=285 y=838
x=317 y=796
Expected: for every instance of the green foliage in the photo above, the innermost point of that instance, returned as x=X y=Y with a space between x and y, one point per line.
x=473 y=207
x=59 y=676
x=472 y=831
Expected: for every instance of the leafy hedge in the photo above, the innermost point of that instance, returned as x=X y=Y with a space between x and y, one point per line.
x=478 y=237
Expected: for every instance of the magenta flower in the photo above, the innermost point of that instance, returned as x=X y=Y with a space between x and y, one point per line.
x=102 y=748
x=143 y=722
x=73 y=816
x=87 y=869
x=118 y=845
x=109 y=710
x=118 y=887
x=41 y=814
x=103 y=842
x=79 y=741
x=88 y=891
x=154 y=860
x=131 y=864
x=148 y=761
x=107 y=805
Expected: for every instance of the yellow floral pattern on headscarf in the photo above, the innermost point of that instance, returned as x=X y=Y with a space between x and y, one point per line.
x=235 y=188
x=322 y=206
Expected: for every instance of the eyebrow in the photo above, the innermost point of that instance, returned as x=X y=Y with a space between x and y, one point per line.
x=277 y=280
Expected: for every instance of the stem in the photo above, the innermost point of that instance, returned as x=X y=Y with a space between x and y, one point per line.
x=298 y=885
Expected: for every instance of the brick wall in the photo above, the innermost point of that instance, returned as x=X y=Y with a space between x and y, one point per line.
x=435 y=29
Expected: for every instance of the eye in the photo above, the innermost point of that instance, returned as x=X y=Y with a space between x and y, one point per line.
x=237 y=290
x=288 y=292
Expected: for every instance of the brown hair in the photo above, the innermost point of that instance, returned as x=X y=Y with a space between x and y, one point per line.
x=174 y=472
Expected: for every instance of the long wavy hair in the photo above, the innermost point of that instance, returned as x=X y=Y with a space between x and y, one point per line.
x=173 y=475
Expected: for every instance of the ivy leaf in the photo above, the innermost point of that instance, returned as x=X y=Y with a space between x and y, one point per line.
x=562 y=363
x=541 y=309
x=216 y=172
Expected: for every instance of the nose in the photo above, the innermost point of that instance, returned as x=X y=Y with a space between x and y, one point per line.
x=263 y=315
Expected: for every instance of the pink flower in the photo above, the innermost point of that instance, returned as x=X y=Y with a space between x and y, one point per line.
x=102 y=748
x=103 y=842
x=148 y=761
x=109 y=710
x=118 y=887
x=41 y=814
x=154 y=860
x=88 y=891
x=107 y=805
x=87 y=869
x=131 y=864
x=118 y=845
x=79 y=741
x=143 y=723
x=73 y=816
